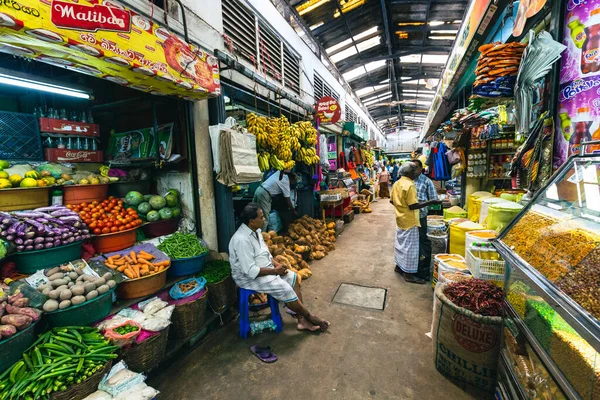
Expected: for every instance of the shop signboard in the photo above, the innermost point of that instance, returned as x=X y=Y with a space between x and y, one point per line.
x=328 y=110
x=579 y=110
x=106 y=40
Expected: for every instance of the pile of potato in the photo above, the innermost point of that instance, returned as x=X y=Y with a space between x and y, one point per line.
x=307 y=236
x=68 y=286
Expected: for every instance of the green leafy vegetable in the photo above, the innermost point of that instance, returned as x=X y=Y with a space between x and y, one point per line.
x=216 y=271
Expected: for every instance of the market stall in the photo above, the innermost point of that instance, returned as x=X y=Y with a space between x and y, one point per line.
x=552 y=289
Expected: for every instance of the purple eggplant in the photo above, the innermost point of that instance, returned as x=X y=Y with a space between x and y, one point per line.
x=57 y=242
x=29 y=235
x=39 y=227
x=38 y=240
x=14 y=227
x=50 y=208
x=10 y=238
x=73 y=218
x=20 y=248
x=77 y=238
x=19 y=241
x=62 y=213
x=39 y=246
x=28 y=242
x=70 y=239
x=22 y=229
x=30 y=247
x=49 y=245
x=48 y=239
x=31 y=214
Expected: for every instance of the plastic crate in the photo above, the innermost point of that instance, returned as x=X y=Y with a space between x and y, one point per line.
x=20 y=137
x=489 y=270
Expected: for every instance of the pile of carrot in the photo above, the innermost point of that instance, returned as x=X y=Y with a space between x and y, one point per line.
x=136 y=265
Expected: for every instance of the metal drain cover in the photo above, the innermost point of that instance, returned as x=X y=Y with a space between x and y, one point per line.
x=361 y=296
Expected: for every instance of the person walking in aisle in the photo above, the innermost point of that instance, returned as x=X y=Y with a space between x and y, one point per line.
x=384 y=183
x=425 y=192
x=395 y=170
x=273 y=193
x=406 y=205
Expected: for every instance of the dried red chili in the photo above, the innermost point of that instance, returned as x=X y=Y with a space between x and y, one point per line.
x=476 y=295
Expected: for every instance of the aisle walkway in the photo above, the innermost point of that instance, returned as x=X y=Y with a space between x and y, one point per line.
x=366 y=354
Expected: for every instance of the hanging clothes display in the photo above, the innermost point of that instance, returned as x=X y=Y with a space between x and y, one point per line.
x=342 y=163
x=439 y=167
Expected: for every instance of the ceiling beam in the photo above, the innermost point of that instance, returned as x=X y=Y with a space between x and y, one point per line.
x=354 y=61
x=359 y=84
x=388 y=43
x=334 y=23
x=427 y=28
x=351 y=44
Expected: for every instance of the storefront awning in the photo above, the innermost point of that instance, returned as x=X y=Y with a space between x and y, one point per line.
x=109 y=41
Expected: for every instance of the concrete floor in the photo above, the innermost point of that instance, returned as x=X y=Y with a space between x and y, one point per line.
x=366 y=353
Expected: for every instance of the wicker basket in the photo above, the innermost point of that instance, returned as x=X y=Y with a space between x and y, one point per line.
x=85 y=388
x=222 y=294
x=145 y=356
x=188 y=318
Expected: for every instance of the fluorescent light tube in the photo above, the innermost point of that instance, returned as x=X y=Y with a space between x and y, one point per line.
x=41 y=86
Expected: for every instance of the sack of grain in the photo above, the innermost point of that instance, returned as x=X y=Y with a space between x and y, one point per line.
x=466 y=345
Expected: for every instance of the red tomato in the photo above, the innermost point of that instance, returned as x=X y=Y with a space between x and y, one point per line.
x=93 y=225
x=105 y=230
x=101 y=224
x=118 y=223
x=128 y=226
x=111 y=197
x=97 y=231
x=122 y=228
x=114 y=229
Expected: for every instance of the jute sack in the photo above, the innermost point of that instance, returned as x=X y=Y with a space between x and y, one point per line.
x=465 y=345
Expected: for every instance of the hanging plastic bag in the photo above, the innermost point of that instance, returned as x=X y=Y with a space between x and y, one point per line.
x=186 y=288
x=214 y=131
x=123 y=334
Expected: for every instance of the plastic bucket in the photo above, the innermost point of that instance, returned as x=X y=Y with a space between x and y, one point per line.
x=160 y=228
x=75 y=194
x=458 y=236
x=485 y=204
x=12 y=348
x=187 y=266
x=114 y=241
x=435 y=226
x=28 y=262
x=83 y=314
x=478 y=237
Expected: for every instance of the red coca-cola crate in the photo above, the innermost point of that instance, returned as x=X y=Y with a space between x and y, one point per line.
x=65 y=127
x=66 y=155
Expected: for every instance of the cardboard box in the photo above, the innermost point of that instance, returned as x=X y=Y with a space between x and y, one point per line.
x=66 y=155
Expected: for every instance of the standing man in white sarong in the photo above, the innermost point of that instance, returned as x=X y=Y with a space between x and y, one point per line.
x=406 y=204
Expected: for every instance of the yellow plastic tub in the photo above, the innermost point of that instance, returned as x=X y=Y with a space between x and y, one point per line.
x=24 y=198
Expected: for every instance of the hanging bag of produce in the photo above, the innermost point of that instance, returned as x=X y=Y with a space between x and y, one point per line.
x=466 y=344
x=124 y=333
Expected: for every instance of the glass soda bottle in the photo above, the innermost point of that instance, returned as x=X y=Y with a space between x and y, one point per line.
x=582 y=130
x=577 y=30
x=565 y=124
x=590 y=52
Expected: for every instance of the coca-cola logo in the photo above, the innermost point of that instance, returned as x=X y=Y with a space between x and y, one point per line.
x=78 y=154
x=85 y=18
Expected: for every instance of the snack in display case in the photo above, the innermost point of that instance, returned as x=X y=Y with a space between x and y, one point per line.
x=530 y=371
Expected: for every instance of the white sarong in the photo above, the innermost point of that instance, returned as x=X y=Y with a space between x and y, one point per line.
x=406 y=249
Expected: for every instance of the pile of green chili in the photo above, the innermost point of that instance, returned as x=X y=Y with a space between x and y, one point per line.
x=182 y=245
x=216 y=271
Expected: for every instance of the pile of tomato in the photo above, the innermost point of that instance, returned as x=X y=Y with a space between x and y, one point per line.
x=108 y=216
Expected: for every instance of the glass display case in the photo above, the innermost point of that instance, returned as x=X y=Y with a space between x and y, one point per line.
x=552 y=252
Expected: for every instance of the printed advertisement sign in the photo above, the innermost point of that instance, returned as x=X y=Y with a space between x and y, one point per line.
x=328 y=110
x=579 y=110
x=106 y=40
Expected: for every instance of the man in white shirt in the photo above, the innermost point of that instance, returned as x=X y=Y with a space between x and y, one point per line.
x=277 y=184
x=253 y=268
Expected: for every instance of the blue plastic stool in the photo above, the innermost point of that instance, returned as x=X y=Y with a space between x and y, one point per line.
x=244 y=316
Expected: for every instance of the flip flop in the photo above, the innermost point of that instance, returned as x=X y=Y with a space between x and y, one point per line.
x=264 y=354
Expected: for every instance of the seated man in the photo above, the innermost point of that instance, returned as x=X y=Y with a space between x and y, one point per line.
x=253 y=268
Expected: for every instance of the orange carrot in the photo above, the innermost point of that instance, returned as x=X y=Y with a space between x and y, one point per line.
x=129 y=273
x=162 y=263
x=119 y=262
x=133 y=257
x=136 y=270
x=160 y=268
x=145 y=255
x=111 y=266
x=128 y=259
x=143 y=261
x=144 y=271
x=121 y=268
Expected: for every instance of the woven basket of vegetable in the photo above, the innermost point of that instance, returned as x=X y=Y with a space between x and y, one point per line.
x=188 y=318
x=221 y=294
x=85 y=388
x=145 y=356
x=221 y=287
